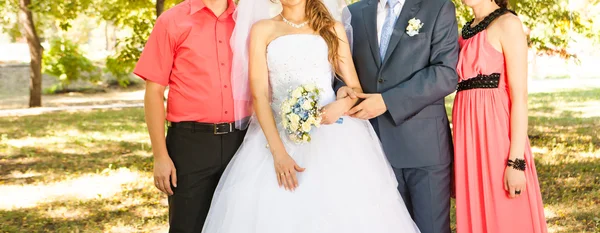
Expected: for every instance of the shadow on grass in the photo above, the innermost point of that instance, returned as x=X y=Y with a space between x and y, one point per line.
x=572 y=191
x=568 y=130
x=564 y=182
x=98 y=215
x=124 y=120
x=569 y=181
x=43 y=161
x=546 y=102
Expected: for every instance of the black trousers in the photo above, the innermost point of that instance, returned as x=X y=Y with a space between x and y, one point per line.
x=200 y=159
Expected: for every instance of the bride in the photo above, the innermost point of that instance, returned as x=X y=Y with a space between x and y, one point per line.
x=338 y=182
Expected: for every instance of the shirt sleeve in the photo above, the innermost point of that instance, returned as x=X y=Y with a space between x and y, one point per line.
x=156 y=61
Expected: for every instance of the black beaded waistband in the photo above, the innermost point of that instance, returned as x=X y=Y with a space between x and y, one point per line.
x=481 y=81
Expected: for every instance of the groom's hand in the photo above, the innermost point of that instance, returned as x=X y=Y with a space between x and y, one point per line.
x=164 y=174
x=372 y=106
x=346 y=91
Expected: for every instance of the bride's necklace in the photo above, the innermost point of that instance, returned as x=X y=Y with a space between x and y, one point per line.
x=294 y=24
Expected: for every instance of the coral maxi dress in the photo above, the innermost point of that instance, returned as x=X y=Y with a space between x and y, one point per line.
x=481 y=124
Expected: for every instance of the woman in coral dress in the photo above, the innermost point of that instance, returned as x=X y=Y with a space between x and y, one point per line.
x=497 y=189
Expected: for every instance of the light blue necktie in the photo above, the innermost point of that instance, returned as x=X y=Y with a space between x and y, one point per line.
x=388 y=28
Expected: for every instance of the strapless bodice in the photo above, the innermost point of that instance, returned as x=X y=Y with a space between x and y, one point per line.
x=298 y=59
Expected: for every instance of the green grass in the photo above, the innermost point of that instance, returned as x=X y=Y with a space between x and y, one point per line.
x=92 y=171
x=83 y=171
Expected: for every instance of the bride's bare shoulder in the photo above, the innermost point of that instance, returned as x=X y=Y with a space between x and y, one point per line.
x=267 y=29
x=264 y=26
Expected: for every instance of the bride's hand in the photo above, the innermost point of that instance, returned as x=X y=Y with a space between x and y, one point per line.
x=333 y=111
x=286 y=168
x=346 y=91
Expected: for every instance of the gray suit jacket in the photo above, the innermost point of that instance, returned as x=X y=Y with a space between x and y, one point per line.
x=416 y=75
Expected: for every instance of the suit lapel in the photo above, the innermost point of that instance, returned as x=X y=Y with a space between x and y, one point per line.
x=370 y=22
x=409 y=10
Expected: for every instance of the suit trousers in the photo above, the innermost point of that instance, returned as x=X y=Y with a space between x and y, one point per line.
x=426 y=193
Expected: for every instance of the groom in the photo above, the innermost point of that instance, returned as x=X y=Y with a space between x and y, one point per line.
x=405 y=53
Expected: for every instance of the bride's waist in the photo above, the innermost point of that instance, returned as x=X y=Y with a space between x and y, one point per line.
x=341 y=126
x=326 y=97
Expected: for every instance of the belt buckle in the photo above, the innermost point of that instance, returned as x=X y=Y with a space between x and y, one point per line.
x=216 y=129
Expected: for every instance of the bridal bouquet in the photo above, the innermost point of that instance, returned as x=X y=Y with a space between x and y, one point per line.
x=300 y=112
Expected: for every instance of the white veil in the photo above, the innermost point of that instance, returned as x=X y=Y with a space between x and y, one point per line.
x=247 y=13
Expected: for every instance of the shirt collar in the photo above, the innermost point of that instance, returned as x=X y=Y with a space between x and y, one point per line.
x=382 y=3
x=197 y=5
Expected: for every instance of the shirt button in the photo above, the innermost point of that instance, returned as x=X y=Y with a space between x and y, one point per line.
x=225 y=86
x=222 y=64
x=220 y=41
x=225 y=112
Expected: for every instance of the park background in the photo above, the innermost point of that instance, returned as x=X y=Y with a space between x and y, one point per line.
x=74 y=150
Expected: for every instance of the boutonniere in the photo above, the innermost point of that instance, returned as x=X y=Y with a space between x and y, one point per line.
x=414 y=25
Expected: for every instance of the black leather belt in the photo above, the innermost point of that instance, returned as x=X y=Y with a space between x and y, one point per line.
x=217 y=129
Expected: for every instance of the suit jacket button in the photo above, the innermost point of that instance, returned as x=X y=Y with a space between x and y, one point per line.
x=380 y=80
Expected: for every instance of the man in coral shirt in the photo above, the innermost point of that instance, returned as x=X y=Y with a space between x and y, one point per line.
x=189 y=51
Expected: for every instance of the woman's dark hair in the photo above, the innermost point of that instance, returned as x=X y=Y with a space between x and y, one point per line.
x=502 y=3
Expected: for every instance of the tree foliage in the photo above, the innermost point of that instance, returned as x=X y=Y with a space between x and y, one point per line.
x=33 y=16
x=65 y=60
x=550 y=24
x=139 y=19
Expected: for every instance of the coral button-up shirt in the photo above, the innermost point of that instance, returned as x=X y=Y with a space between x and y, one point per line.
x=189 y=51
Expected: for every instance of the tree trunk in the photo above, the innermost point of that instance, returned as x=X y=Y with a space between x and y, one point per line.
x=35 y=51
x=160 y=7
x=106 y=36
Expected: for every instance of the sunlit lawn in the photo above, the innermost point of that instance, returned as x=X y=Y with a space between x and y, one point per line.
x=91 y=171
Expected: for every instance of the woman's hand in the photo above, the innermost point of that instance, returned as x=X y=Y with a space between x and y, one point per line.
x=346 y=91
x=514 y=182
x=333 y=111
x=285 y=169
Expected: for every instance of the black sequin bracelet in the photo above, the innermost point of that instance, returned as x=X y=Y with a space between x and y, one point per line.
x=518 y=164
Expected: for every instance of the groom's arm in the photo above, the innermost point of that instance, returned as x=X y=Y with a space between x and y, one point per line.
x=435 y=81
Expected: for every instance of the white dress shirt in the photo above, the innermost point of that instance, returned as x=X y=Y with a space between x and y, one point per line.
x=382 y=11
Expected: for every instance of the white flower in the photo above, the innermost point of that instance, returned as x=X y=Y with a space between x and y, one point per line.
x=412 y=33
x=310 y=87
x=414 y=25
x=294 y=121
x=306 y=126
x=307 y=105
x=286 y=123
x=317 y=122
x=294 y=126
x=286 y=107
x=297 y=93
x=311 y=120
x=294 y=117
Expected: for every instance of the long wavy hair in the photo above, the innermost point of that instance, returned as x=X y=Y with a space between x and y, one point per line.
x=322 y=22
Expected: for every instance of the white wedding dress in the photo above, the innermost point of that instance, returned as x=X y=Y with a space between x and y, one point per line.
x=348 y=185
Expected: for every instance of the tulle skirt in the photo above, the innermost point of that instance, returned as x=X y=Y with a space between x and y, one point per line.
x=348 y=187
